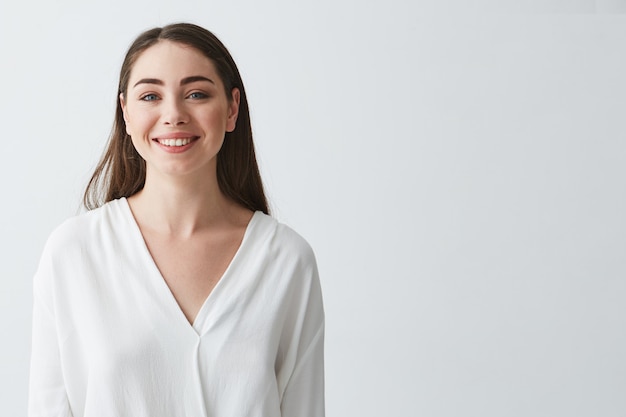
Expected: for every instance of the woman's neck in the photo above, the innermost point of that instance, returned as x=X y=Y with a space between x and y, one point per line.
x=181 y=207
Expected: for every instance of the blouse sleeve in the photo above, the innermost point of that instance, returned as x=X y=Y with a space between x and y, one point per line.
x=47 y=394
x=303 y=394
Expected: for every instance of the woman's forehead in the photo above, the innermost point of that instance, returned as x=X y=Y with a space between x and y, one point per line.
x=172 y=61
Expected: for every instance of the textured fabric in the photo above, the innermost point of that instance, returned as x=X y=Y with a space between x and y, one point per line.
x=109 y=339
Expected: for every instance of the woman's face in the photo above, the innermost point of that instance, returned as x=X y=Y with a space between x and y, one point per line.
x=176 y=110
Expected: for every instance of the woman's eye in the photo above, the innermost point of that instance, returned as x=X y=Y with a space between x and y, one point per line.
x=149 y=97
x=197 y=95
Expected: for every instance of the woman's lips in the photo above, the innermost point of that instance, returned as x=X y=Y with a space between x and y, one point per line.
x=176 y=144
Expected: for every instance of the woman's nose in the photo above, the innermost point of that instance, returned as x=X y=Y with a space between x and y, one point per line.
x=174 y=113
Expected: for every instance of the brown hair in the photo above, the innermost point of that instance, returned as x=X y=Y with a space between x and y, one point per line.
x=122 y=172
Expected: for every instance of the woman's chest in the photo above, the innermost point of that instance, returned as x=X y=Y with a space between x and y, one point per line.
x=192 y=267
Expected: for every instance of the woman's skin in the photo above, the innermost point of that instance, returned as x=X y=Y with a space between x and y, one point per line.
x=190 y=228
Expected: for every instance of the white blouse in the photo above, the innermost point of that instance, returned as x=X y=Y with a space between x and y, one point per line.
x=109 y=339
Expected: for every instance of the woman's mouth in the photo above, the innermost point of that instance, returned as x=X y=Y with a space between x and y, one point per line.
x=175 y=142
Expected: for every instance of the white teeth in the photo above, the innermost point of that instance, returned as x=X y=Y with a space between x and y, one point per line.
x=175 y=142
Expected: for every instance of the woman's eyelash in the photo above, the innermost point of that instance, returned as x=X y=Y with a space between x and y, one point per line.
x=197 y=95
x=149 y=97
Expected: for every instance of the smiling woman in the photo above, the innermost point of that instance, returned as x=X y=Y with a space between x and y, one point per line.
x=177 y=294
x=167 y=110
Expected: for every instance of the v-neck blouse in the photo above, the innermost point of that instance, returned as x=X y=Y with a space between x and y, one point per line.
x=109 y=339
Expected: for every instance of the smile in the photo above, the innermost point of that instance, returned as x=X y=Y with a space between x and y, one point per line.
x=175 y=142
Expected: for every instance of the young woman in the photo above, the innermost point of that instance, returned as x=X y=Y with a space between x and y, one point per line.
x=177 y=294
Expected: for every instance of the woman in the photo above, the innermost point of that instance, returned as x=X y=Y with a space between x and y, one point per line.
x=177 y=294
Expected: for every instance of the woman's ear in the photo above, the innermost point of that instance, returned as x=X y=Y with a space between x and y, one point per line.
x=233 y=110
x=124 y=112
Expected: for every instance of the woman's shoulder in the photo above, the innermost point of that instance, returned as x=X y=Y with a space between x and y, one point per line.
x=85 y=226
x=282 y=239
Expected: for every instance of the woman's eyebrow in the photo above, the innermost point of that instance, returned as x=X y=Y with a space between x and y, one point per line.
x=148 y=81
x=187 y=80
x=195 y=78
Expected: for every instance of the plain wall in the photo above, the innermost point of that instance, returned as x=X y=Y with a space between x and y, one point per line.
x=457 y=166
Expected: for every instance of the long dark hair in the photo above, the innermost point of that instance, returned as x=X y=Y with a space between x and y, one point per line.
x=122 y=171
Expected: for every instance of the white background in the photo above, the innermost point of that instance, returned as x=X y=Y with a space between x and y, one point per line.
x=458 y=167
